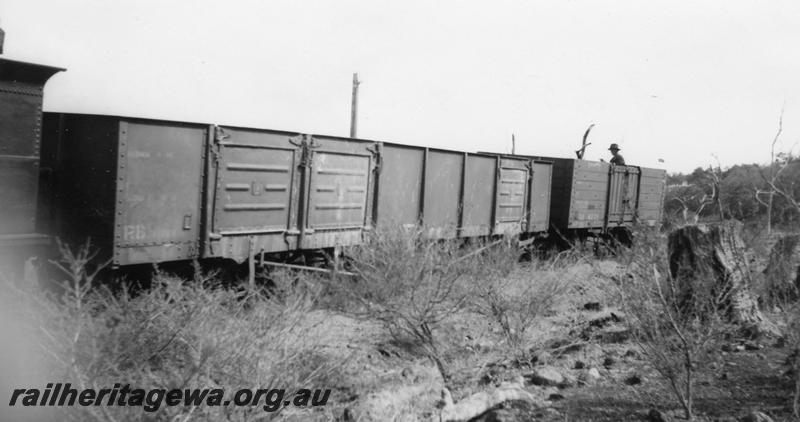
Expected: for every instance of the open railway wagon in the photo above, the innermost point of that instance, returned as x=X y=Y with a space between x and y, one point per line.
x=459 y=194
x=21 y=96
x=592 y=198
x=150 y=191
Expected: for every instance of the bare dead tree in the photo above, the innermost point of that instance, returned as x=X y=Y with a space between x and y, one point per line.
x=581 y=151
x=704 y=201
x=785 y=191
x=684 y=207
x=773 y=176
x=715 y=174
x=706 y=192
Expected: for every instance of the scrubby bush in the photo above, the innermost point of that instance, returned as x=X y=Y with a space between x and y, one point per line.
x=178 y=334
x=410 y=284
x=678 y=331
x=517 y=300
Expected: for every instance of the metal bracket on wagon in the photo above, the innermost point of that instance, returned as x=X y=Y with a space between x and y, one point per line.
x=376 y=154
x=307 y=144
x=220 y=135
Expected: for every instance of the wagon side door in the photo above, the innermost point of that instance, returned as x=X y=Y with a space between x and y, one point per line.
x=511 y=196
x=252 y=194
x=337 y=188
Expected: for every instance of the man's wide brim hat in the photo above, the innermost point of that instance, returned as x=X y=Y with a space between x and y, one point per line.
x=614 y=147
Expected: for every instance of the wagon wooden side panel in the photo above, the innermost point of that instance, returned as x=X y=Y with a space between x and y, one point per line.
x=540 y=196
x=650 y=204
x=479 y=195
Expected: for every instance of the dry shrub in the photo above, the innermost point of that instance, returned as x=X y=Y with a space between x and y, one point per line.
x=177 y=335
x=677 y=331
x=517 y=300
x=411 y=285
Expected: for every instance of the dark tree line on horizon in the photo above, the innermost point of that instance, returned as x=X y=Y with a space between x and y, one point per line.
x=743 y=192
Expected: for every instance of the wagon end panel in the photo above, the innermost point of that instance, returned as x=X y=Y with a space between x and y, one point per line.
x=399 y=196
x=622 y=196
x=589 y=195
x=511 y=199
x=631 y=192
x=159 y=185
x=442 y=193
x=651 y=196
x=561 y=194
x=479 y=181
x=81 y=152
x=252 y=192
x=338 y=199
x=540 y=191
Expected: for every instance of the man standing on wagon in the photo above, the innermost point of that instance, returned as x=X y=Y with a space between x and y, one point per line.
x=617 y=158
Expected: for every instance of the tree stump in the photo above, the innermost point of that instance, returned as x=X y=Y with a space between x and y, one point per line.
x=782 y=273
x=710 y=259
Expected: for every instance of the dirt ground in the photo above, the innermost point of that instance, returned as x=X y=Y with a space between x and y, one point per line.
x=382 y=380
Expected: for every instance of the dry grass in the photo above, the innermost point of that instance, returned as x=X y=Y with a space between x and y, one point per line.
x=474 y=307
x=517 y=298
x=176 y=335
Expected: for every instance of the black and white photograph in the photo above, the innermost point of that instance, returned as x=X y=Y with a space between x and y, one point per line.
x=401 y=211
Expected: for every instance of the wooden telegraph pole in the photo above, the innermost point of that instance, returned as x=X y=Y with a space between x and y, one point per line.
x=354 y=107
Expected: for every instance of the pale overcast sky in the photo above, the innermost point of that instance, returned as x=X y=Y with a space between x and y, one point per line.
x=677 y=81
